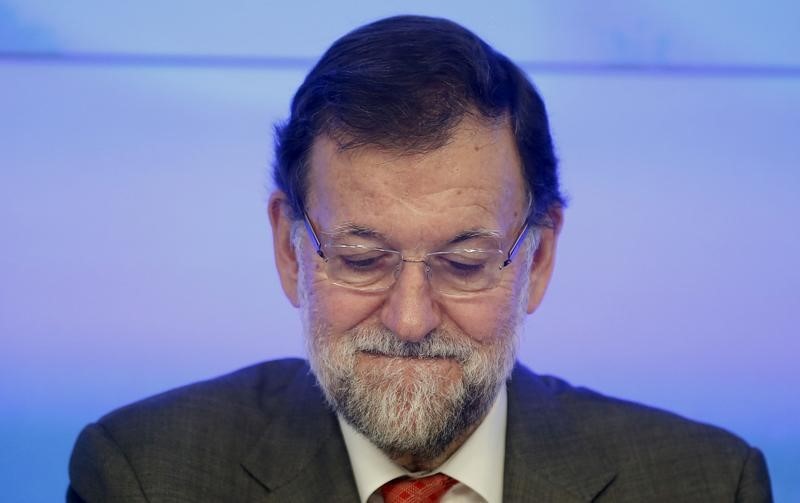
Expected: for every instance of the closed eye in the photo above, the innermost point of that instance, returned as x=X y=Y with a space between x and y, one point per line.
x=371 y=261
x=361 y=263
x=459 y=268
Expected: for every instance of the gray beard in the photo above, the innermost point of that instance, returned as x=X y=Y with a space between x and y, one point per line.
x=401 y=408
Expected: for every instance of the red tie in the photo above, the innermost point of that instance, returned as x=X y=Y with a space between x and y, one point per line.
x=423 y=490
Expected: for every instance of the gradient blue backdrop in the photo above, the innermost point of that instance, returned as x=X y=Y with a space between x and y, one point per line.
x=135 y=140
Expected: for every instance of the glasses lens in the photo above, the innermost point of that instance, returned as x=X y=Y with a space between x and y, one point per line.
x=361 y=267
x=465 y=271
x=374 y=269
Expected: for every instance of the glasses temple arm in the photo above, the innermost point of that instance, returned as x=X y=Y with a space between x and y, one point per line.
x=515 y=246
x=310 y=229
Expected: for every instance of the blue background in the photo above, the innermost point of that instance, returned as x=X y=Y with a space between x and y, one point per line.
x=135 y=141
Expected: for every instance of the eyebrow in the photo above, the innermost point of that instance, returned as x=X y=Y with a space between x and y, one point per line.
x=353 y=229
x=475 y=234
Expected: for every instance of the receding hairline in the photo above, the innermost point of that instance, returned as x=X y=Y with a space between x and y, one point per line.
x=469 y=124
x=348 y=140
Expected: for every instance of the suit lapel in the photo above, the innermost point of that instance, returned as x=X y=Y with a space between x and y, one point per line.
x=301 y=456
x=547 y=456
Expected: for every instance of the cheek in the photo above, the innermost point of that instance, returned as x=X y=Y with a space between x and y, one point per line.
x=482 y=319
x=342 y=309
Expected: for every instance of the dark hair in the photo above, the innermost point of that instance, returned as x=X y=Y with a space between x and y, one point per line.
x=403 y=84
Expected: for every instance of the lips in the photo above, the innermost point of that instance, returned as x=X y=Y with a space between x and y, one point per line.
x=415 y=356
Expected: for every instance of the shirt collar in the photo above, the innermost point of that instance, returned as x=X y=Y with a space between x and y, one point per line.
x=478 y=463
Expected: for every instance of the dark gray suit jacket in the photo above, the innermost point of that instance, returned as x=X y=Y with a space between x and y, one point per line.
x=264 y=434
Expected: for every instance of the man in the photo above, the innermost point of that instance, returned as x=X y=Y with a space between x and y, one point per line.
x=415 y=225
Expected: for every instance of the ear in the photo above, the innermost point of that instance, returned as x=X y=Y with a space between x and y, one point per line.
x=286 y=259
x=544 y=259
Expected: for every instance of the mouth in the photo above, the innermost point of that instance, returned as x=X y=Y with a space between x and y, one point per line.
x=420 y=357
x=397 y=369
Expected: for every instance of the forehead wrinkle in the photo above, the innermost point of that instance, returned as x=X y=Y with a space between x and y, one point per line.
x=469 y=220
x=419 y=209
x=420 y=203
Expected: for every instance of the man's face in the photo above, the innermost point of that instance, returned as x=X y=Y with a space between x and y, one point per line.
x=412 y=368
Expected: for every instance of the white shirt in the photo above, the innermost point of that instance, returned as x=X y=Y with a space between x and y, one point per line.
x=477 y=464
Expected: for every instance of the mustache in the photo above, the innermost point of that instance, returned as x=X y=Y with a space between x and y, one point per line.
x=438 y=343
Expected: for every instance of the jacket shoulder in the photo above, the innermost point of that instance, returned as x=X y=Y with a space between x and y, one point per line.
x=191 y=439
x=655 y=454
x=244 y=389
x=610 y=419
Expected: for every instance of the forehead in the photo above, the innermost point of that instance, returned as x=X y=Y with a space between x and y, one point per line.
x=474 y=181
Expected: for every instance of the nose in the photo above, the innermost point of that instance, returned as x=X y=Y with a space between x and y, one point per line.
x=410 y=311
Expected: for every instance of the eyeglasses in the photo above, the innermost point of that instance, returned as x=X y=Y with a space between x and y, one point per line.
x=452 y=272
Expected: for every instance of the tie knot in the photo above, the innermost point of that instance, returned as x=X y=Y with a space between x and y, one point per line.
x=422 y=490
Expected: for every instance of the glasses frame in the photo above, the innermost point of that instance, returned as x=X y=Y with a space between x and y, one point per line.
x=318 y=245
